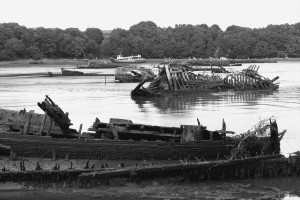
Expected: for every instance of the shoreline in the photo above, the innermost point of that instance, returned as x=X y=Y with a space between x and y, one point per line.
x=62 y=61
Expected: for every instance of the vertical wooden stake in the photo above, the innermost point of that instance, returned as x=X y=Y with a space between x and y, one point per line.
x=53 y=154
x=27 y=122
x=43 y=124
x=169 y=77
x=50 y=126
x=80 y=129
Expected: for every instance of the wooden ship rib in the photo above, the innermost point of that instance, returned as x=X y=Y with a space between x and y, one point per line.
x=178 y=77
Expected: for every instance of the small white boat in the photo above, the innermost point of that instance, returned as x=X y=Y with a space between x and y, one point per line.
x=129 y=59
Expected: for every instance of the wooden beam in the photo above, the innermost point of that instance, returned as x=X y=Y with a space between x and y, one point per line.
x=169 y=77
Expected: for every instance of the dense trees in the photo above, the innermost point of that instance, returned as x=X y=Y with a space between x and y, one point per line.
x=149 y=40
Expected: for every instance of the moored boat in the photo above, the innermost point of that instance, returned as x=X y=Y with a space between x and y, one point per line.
x=236 y=64
x=67 y=72
x=130 y=59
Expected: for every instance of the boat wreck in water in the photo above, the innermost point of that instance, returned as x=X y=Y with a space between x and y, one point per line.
x=121 y=139
x=177 y=77
x=133 y=73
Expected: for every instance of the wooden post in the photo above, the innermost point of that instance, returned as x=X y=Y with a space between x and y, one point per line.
x=169 y=77
x=27 y=122
x=43 y=124
x=175 y=83
x=53 y=154
x=114 y=131
x=105 y=79
x=80 y=129
x=67 y=156
x=50 y=126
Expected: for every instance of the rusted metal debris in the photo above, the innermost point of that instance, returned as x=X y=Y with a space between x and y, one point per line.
x=178 y=77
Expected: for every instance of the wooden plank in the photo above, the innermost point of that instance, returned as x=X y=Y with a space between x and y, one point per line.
x=178 y=81
x=27 y=122
x=43 y=124
x=169 y=77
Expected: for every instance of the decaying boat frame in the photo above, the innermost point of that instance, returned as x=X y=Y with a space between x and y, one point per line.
x=122 y=139
x=178 y=77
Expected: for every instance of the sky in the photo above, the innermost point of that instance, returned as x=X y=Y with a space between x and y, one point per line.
x=111 y=14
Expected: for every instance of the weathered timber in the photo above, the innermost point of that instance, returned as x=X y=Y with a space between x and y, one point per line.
x=14 y=121
x=59 y=117
x=180 y=78
x=69 y=175
x=42 y=147
x=133 y=73
x=254 y=143
x=254 y=167
x=4 y=150
x=126 y=130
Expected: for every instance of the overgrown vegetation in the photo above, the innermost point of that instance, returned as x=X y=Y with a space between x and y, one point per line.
x=151 y=41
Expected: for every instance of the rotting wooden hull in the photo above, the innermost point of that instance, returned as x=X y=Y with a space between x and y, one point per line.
x=47 y=147
x=133 y=74
x=252 y=167
x=14 y=121
x=176 y=77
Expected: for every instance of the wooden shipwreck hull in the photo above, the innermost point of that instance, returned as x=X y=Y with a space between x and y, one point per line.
x=122 y=139
x=47 y=147
x=178 y=77
x=254 y=167
x=133 y=74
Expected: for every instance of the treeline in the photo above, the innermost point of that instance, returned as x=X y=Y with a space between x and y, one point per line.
x=151 y=41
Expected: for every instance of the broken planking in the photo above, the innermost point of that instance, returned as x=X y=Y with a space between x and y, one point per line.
x=178 y=77
x=253 y=167
x=59 y=117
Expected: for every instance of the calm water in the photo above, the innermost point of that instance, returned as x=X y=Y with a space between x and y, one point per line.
x=86 y=98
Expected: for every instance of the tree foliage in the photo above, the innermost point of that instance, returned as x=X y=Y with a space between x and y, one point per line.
x=151 y=41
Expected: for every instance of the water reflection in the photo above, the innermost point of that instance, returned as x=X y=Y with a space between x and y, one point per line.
x=189 y=101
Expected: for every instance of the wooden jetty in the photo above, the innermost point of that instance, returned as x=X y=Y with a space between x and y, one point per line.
x=178 y=77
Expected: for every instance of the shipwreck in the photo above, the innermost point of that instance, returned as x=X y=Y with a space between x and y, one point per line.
x=178 y=77
x=191 y=152
x=133 y=73
x=34 y=135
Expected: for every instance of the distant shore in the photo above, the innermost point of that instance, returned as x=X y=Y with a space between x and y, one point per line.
x=75 y=62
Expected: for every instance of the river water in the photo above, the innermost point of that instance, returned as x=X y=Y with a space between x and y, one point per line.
x=86 y=98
